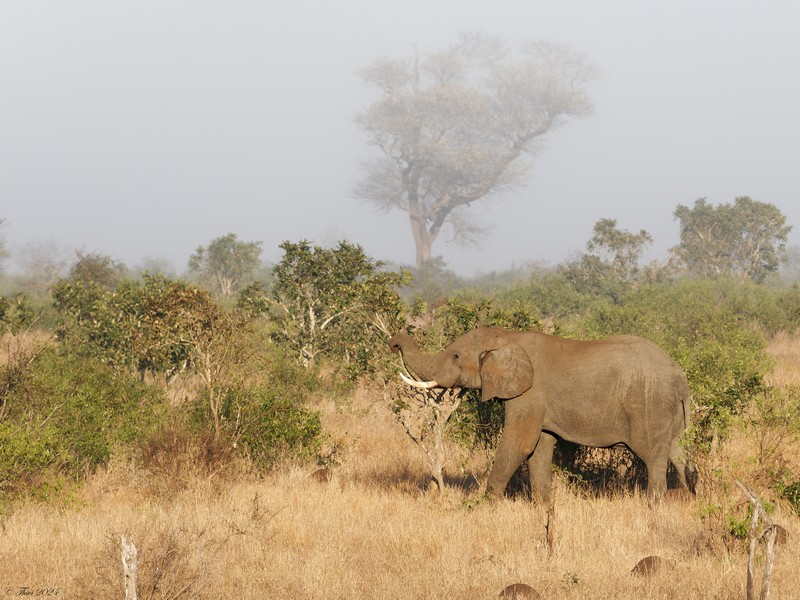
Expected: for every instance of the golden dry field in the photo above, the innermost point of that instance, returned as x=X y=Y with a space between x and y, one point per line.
x=373 y=532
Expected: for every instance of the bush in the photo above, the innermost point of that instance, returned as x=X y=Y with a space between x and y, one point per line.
x=336 y=303
x=789 y=490
x=276 y=426
x=64 y=417
x=15 y=314
x=266 y=419
x=554 y=296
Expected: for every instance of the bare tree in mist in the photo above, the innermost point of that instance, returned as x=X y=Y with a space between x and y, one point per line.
x=42 y=264
x=462 y=124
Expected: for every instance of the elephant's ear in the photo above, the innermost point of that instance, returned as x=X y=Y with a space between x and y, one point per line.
x=505 y=373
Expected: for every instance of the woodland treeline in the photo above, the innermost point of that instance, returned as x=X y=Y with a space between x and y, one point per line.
x=221 y=368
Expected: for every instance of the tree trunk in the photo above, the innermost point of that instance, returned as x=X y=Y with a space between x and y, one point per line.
x=423 y=238
x=424 y=249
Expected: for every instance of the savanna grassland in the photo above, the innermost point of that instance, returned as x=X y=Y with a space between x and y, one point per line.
x=373 y=531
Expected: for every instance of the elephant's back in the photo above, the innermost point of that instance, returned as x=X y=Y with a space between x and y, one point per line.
x=629 y=362
x=623 y=354
x=635 y=346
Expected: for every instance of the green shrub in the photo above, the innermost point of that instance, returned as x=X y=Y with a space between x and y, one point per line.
x=267 y=418
x=16 y=314
x=268 y=423
x=154 y=324
x=276 y=426
x=789 y=490
x=335 y=303
x=64 y=416
x=457 y=316
x=553 y=295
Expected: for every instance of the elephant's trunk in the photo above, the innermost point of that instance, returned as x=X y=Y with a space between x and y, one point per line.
x=416 y=360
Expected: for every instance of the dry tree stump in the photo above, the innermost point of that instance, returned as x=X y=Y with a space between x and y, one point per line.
x=129 y=566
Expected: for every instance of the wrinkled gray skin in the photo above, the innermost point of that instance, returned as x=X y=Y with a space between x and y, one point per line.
x=618 y=390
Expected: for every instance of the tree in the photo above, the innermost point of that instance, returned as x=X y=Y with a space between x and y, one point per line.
x=333 y=300
x=425 y=415
x=227 y=264
x=43 y=264
x=790 y=269
x=454 y=127
x=16 y=314
x=618 y=250
x=745 y=240
x=612 y=263
x=96 y=268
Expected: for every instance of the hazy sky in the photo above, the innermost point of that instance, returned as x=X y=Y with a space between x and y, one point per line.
x=144 y=128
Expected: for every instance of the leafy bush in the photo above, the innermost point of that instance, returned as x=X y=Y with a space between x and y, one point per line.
x=64 y=416
x=456 y=317
x=789 y=490
x=553 y=295
x=276 y=426
x=265 y=416
x=15 y=314
x=334 y=302
x=154 y=324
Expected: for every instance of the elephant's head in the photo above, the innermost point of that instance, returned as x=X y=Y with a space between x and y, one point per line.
x=486 y=358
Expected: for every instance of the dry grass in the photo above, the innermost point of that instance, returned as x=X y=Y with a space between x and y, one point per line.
x=785 y=349
x=373 y=532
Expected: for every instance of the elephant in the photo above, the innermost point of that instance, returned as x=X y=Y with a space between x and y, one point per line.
x=619 y=390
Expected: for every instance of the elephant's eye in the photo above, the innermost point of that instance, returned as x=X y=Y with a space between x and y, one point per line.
x=455 y=356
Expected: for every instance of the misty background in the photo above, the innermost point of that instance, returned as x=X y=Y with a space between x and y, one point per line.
x=145 y=129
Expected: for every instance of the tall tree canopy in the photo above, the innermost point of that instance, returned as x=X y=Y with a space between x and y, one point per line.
x=746 y=239
x=619 y=251
x=96 y=268
x=612 y=262
x=456 y=126
x=334 y=300
x=227 y=264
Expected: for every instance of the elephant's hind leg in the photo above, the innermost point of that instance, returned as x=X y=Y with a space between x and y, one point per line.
x=687 y=474
x=656 y=460
x=656 y=477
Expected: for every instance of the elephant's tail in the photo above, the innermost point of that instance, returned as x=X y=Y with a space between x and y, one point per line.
x=687 y=411
x=689 y=476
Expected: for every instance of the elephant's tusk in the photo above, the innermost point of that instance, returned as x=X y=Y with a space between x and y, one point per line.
x=425 y=385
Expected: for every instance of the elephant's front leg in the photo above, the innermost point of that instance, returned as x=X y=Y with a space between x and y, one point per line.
x=523 y=426
x=540 y=468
